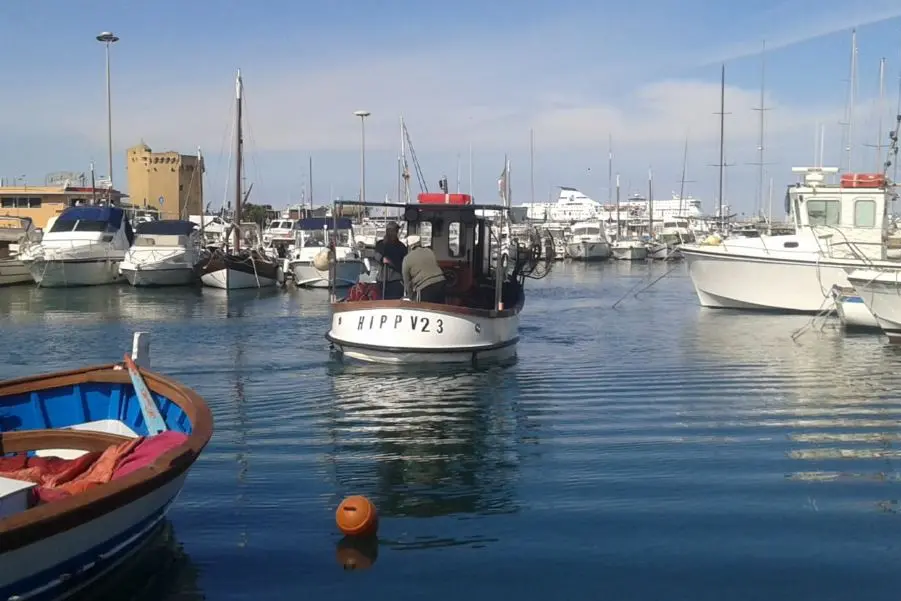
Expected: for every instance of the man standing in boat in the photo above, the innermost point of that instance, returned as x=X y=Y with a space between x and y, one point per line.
x=423 y=278
x=390 y=253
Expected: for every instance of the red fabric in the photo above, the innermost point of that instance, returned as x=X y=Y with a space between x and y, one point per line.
x=58 y=478
x=363 y=291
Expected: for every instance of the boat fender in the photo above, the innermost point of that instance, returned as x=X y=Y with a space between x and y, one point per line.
x=280 y=276
x=320 y=261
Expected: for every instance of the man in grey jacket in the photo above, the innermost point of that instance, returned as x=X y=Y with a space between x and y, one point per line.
x=423 y=278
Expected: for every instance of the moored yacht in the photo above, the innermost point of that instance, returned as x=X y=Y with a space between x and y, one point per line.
x=317 y=241
x=630 y=250
x=587 y=242
x=163 y=254
x=16 y=234
x=82 y=247
x=837 y=225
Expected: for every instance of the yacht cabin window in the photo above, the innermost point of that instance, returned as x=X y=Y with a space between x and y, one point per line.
x=586 y=231
x=84 y=225
x=864 y=212
x=824 y=211
x=455 y=244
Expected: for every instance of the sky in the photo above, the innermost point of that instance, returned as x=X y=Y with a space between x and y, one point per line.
x=471 y=79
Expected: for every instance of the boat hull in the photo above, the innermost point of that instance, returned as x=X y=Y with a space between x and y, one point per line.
x=852 y=311
x=67 y=273
x=231 y=272
x=151 y=276
x=347 y=273
x=881 y=293
x=60 y=566
x=13 y=271
x=402 y=332
x=758 y=283
x=588 y=251
x=630 y=253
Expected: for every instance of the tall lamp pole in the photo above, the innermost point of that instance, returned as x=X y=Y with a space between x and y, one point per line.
x=108 y=38
x=362 y=115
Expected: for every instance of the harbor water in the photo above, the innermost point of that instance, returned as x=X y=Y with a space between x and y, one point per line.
x=640 y=448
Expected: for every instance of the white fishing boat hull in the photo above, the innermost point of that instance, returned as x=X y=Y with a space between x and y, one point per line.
x=881 y=293
x=232 y=279
x=60 y=566
x=588 y=251
x=347 y=273
x=14 y=271
x=659 y=252
x=65 y=273
x=764 y=283
x=851 y=309
x=630 y=252
x=422 y=333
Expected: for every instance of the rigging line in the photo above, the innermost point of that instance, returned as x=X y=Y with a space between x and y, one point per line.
x=227 y=137
x=628 y=292
x=251 y=139
x=657 y=279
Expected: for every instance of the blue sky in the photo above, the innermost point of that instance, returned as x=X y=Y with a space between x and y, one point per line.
x=463 y=73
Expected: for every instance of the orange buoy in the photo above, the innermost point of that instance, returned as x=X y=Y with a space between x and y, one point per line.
x=356 y=516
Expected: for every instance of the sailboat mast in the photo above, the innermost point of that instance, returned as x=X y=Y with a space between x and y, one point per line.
x=722 y=143
x=532 y=165
x=609 y=168
x=852 y=93
x=650 y=204
x=239 y=148
x=881 y=113
x=619 y=229
x=310 y=170
x=762 y=109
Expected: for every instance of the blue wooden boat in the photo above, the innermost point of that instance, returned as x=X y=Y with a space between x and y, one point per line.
x=84 y=482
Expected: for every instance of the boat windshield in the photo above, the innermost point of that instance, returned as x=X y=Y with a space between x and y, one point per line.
x=587 y=231
x=84 y=225
x=318 y=237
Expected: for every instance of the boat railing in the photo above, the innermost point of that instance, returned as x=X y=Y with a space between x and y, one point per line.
x=62 y=249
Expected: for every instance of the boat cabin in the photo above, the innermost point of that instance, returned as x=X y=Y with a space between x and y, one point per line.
x=13 y=231
x=851 y=214
x=90 y=223
x=321 y=231
x=465 y=248
x=167 y=233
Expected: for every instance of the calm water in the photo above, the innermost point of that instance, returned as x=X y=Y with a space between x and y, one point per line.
x=650 y=451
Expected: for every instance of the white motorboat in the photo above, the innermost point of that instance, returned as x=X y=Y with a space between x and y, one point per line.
x=479 y=320
x=630 y=250
x=880 y=290
x=309 y=263
x=83 y=246
x=16 y=233
x=164 y=254
x=587 y=242
x=837 y=226
x=851 y=309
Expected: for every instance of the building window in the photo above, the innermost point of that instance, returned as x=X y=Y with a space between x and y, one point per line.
x=824 y=212
x=8 y=203
x=181 y=187
x=864 y=213
x=21 y=202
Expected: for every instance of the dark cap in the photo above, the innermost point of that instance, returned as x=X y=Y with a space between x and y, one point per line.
x=392 y=225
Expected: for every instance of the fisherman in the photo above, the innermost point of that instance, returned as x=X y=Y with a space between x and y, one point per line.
x=390 y=253
x=423 y=279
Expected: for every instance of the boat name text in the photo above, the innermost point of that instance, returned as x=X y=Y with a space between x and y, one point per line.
x=416 y=323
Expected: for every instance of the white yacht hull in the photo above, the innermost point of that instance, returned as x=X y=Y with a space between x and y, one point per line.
x=14 y=271
x=347 y=273
x=630 y=253
x=65 y=273
x=232 y=279
x=149 y=275
x=733 y=281
x=422 y=334
x=881 y=293
x=851 y=309
x=659 y=252
x=588 y=251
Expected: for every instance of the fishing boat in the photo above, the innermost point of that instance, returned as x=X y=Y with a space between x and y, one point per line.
x=92 y=460
x=479 y=320
x=237 y=267
x=309 y=261
x=163 y=254
x=16 y=234
x=82 y=246
x=587 y=242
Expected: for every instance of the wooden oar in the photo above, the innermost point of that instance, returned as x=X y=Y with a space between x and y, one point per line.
x=152 y=417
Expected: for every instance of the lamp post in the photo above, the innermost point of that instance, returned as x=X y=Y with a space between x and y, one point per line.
x=362 y=115
x=108 y=39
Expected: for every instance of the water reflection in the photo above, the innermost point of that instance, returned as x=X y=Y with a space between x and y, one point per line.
x=430 y=445
x=83 y=304
x=160 y=570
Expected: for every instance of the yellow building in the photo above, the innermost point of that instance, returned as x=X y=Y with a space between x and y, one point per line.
x=40 y=203
x=167 y=181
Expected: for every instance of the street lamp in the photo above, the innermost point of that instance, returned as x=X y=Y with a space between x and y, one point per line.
x=108 y=39
x=362 y=115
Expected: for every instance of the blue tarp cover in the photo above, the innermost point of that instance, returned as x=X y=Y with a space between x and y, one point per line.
x=167 y=227
x=318 y=223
